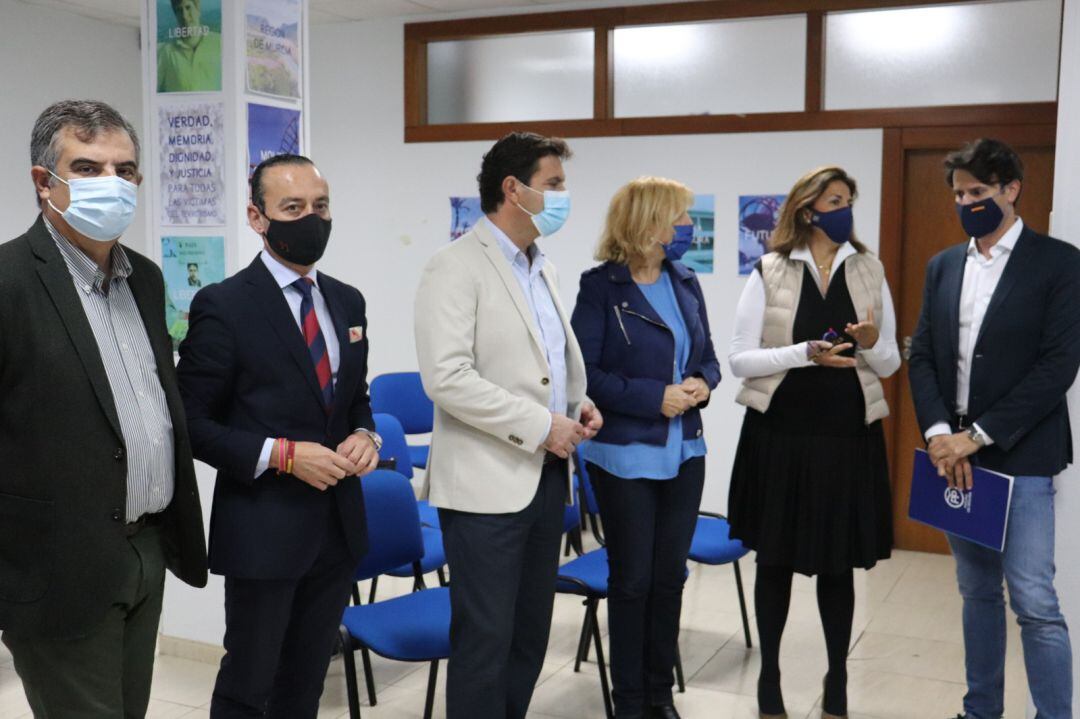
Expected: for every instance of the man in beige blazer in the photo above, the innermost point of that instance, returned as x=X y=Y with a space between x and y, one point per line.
x=499 y=360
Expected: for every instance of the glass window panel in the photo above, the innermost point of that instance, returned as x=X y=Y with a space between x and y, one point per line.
x=994 y=52
x=730 y=66
x=536 y=76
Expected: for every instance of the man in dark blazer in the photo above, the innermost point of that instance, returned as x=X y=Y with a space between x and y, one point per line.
x=273 y=373
x=996 y=349
x=97 y=492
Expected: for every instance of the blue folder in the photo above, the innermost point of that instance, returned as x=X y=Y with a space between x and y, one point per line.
x=980 y=516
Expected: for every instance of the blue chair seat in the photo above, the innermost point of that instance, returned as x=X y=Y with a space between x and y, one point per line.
x=434 y=554
x=591 y=569
x=419 y=454
x=712 y=543
x=414 y=627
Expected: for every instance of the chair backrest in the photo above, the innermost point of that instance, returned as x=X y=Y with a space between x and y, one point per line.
x=572 y=513
x=393 y=524
x=402 y=395
x=586 y=484
x=394 y=445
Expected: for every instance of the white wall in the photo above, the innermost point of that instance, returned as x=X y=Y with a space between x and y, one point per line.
x=1066 y=225
x=51 y=55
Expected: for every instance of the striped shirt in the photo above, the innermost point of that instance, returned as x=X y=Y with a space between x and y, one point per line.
x=129 y=364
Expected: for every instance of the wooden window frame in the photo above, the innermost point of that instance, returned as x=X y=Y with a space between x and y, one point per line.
x=603 y=123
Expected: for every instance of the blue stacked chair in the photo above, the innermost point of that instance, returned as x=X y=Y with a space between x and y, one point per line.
x=402 y=395
x=411 y=628
x=713 y=545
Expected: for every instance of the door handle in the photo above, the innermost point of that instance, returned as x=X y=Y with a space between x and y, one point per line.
x=905 y=353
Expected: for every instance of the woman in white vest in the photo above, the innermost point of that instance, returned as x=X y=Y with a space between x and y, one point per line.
x=814 y=333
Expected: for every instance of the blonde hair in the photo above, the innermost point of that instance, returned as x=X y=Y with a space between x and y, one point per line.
x=793 y=230
x=638 y=213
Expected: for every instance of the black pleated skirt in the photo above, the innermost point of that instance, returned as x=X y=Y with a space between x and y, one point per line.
x=811 y=498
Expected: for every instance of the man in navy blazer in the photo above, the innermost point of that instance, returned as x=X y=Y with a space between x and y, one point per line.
x=273 y=374
x=996 y=349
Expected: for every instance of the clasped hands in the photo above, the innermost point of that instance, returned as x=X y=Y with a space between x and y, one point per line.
x=678 y=398
x=949 y=453
x=323 y=468
x=566 y=434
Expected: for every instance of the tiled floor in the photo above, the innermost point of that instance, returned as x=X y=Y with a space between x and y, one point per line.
x=906 y=657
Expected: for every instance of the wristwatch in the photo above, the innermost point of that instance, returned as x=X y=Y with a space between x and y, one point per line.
x=375 y=438
x=976 y=436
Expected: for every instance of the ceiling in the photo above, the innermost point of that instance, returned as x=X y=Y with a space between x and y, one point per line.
x=322 y=11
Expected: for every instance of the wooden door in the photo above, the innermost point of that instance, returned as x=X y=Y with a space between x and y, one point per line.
x=919 y=209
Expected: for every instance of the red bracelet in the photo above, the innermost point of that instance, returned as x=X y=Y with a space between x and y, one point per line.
x=289 y=458
x=281 y=454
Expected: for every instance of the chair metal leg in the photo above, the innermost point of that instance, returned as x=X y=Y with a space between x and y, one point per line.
x=374 y=586
x=369 y=676
x=350 y=673
x=583 y=642
x=742 y=605
x=356 y=601
x=433 y=677
x=608 y=710
x=679 y=678
x=441 y=572
x=576 y=541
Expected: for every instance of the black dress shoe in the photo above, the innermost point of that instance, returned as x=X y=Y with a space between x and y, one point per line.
x=664 y=711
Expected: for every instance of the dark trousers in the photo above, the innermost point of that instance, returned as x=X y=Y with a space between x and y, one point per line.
x=279 y=635
x=107 y=673
x=649 y=525
x=502 y=569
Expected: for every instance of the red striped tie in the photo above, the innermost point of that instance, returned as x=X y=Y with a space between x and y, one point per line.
x=316 y=344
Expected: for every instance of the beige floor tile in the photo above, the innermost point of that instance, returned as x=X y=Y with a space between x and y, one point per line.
x=895 y=696
x=735 y=671
x=159 y=709
x=183 y=681
x=922 y=658
x=12 y=698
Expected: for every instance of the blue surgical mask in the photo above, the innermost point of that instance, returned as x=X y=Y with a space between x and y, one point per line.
x=556 y=209
x=680 y=243
x=100 y=208
x=979 y=219
x=837 y=224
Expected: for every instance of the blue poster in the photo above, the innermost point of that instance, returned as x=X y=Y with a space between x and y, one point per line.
x=464 y=213
x=271 y=131
x=758 y=215
x=703 y=214
x=188 y=264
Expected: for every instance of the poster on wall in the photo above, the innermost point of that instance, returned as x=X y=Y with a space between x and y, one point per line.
x=757 y=219
x=188 y=45
x=464 y=213
x=188 y=264
x=271 y=131
x=273 y=47
x=191 y=157
x=703 y=214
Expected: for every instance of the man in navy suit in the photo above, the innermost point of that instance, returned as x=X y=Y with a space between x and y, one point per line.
x=996 y=349
x=273 y=374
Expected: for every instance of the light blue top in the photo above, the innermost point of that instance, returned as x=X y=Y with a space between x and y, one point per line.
x=545 y=315
x=647 y=461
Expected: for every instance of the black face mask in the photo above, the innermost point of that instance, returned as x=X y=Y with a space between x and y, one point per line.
x=302 y=241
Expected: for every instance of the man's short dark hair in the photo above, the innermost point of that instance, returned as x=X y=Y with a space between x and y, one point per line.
x=517 y=154
x=193 y=264
x=991 y=162
x=257 y=197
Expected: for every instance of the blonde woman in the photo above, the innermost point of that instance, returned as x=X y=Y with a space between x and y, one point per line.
x=810 y=486
x=640 y=320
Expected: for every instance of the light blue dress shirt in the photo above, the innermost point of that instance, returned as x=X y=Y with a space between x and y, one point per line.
x=544 y=312
x=647 y=461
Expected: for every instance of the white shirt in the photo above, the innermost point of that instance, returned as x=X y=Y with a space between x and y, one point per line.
x=981 y=277
x=749 y=359
x=545 y=314
x=285 y=276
